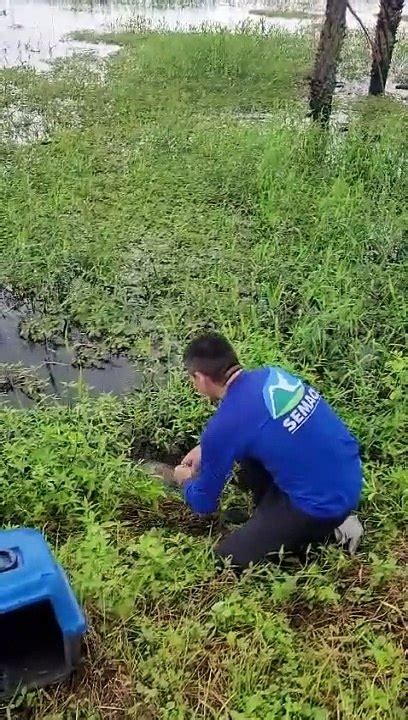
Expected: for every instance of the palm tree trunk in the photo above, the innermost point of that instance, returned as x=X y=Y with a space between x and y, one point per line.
x=323 y=81
x=385 y=33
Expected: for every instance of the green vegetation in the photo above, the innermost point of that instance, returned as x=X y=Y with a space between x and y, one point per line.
x=289 y=14
x=181 y=187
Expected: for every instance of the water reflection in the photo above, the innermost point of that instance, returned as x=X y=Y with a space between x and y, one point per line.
x=34 y=31
x=50 y=365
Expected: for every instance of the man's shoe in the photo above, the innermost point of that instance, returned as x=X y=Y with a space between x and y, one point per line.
x=349 y=534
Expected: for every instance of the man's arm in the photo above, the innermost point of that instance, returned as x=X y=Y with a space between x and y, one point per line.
x=202 y=493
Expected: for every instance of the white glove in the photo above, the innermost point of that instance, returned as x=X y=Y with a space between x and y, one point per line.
x=349 y=534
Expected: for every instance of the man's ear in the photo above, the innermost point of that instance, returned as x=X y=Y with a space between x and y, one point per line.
x=201 y=383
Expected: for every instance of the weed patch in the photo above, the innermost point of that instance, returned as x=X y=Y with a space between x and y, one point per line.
x=188 y=191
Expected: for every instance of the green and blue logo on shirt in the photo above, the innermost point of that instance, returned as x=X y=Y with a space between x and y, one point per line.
x=282 y=392
x=285 y=394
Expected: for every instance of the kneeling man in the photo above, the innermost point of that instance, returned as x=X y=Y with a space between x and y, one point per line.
x=298 y=458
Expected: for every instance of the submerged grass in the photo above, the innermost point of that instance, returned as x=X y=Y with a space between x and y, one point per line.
x=163 y=206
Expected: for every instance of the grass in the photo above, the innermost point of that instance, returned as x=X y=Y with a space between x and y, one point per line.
x=288 y=14
x=159 y=207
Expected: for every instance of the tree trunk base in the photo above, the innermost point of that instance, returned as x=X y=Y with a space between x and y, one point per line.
x=385 y=33
x=323 y=82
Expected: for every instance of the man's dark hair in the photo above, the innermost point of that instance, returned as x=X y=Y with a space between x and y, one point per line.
x=212 y=355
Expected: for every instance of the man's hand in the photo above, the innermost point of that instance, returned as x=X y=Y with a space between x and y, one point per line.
x=182 y=474
x=193 y=460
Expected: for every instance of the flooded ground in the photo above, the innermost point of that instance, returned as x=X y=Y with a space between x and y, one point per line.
x=29 y=370
x=35 y=31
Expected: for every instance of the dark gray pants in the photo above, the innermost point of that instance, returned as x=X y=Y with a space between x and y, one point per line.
x=275 y=524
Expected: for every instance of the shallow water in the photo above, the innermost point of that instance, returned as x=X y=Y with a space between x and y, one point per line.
x=52 y=364
x=34 y=32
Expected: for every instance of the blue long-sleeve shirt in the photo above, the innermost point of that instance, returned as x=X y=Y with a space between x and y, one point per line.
x=275 y=418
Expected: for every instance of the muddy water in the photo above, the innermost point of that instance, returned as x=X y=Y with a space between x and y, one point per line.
x=52 y=364
x=34 y=31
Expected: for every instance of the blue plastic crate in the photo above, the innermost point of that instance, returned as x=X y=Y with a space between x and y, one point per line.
x=41 y=623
